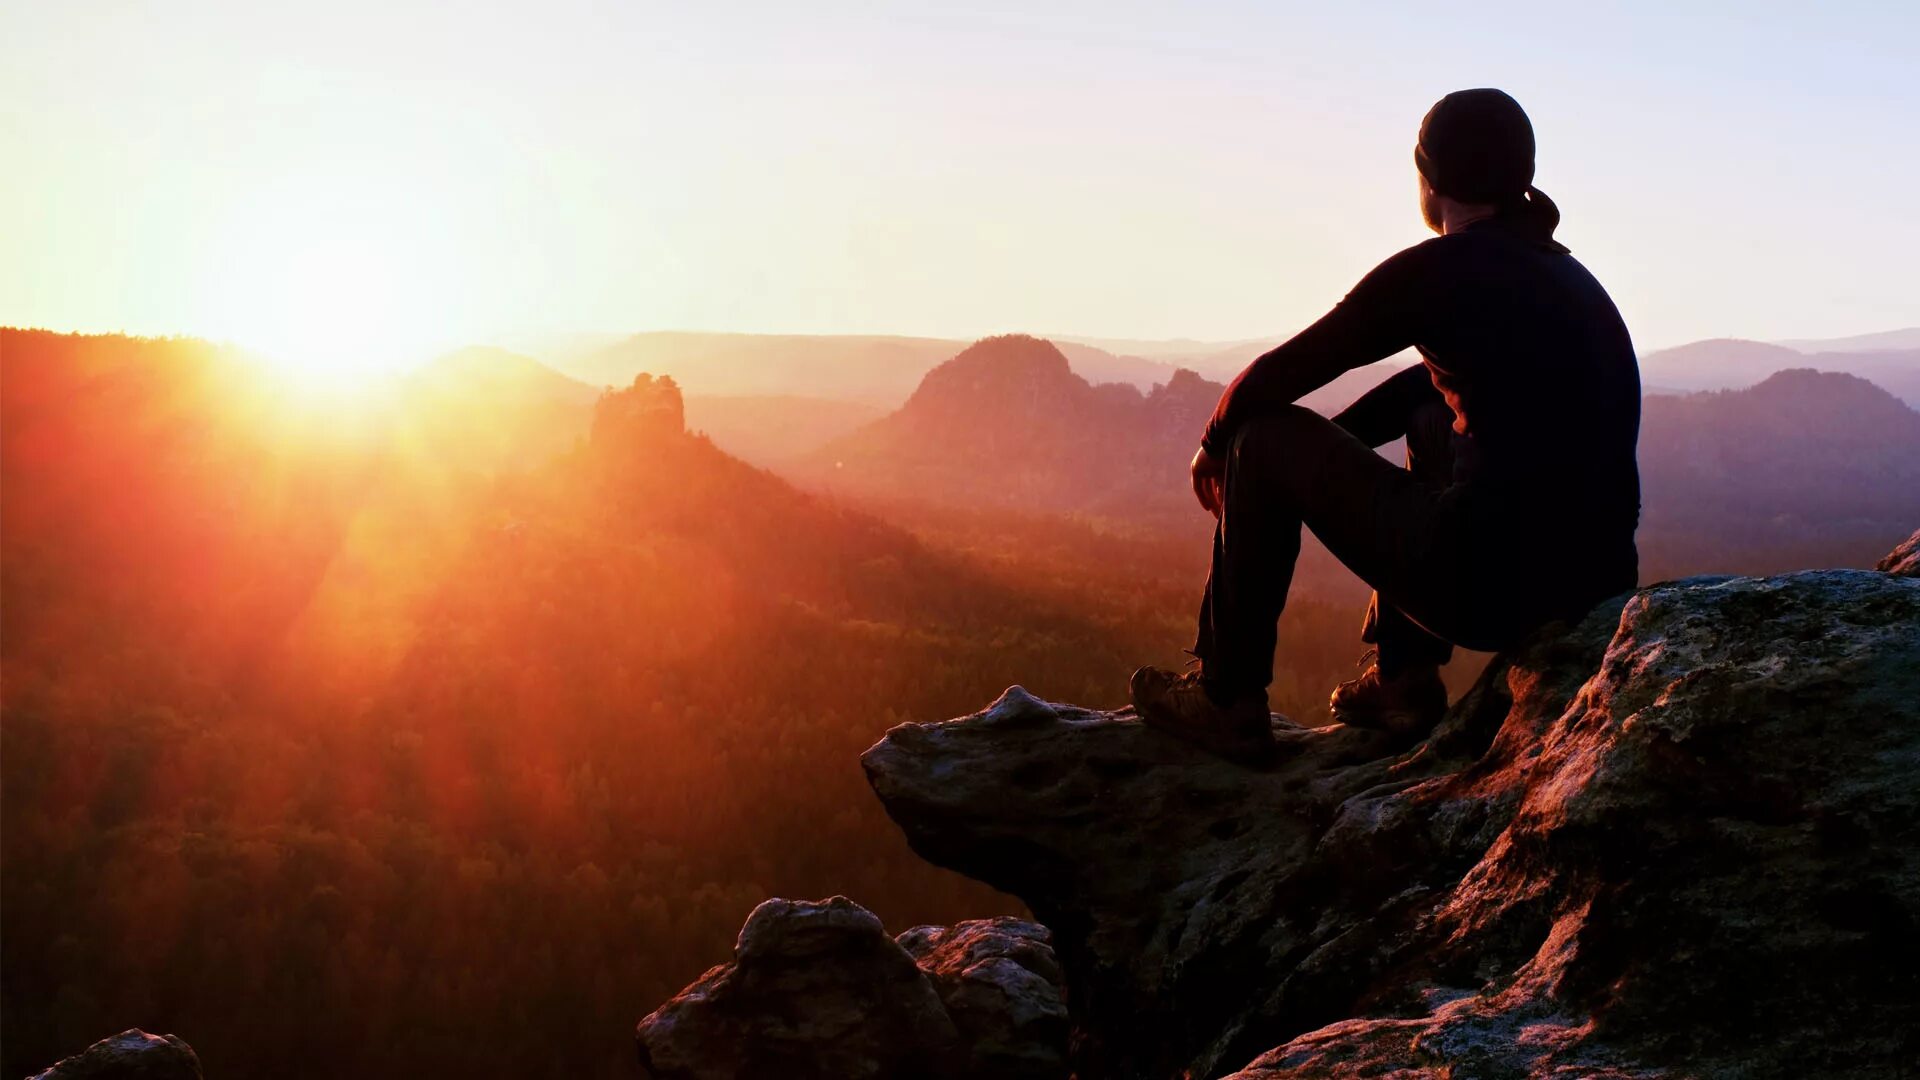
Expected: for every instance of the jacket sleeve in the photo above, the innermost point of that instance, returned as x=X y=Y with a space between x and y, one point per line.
x=1380 y=415
x=1379 y=317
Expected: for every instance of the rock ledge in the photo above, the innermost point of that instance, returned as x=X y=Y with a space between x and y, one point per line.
x=1678 y=838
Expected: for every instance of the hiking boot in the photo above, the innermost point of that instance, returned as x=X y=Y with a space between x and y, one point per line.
x=1178 y=704
x=1409 y=703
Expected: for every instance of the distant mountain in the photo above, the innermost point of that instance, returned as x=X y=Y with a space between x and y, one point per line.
x=1103 y=366
x=874 y=370
x=1803 y=468
x=1732 y=363
x=1167 y=351
x=879 y=371
x=488 y=409
x=1805 y=463
x=772 y=429
x=1885 y=340
x=558 y=349
x=497 y=372
x=1007 y=422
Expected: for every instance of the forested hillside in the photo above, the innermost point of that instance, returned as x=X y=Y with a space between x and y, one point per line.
x=1806 y=468
x=311 y=741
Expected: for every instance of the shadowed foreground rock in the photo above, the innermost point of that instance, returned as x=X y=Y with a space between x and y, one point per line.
x=820 y=990
x=1001 y=984
x=131 y=1055
x=1679 y=838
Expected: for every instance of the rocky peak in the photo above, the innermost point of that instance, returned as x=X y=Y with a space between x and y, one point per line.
x=1018 y=356
x=995 y=380
x=643 y=415
x=1007 y=422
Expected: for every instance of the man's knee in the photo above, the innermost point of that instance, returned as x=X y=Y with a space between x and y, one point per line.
x=1277 y=436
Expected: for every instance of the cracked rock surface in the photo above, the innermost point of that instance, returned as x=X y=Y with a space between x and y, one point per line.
x=1681 y=837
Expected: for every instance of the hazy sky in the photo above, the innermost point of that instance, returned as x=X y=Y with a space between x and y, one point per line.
x=328 y=174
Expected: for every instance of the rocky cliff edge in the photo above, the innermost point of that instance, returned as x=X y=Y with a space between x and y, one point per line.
x=1678 y=838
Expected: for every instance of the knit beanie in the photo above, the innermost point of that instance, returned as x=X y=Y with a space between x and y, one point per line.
x=1477 y=146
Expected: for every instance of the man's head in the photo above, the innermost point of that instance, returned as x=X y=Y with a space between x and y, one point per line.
x=1476 y=151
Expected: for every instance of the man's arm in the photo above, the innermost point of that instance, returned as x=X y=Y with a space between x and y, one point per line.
x=1378 y=318
x=1380 y=415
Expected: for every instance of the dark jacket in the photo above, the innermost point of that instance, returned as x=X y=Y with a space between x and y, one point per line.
x=1527 y=350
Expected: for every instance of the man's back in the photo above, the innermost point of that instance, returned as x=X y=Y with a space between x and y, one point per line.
x=1536 y=363
x=1534 y=360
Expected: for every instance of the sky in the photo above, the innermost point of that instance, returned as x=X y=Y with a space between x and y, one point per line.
x=399 y=177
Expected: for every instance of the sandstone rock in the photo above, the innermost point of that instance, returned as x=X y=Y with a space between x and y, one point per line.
x=1001 y=984
x=1678 y=838
x=820 y=990
x=640 y=416
x=1905 y=559
x=814 y=990
x=131 y=1055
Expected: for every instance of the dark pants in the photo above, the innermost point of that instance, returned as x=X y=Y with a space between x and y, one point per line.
x=1408 y=532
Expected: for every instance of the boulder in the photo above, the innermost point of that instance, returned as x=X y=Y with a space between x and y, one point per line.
x=131 y=1055
x=1000 y=983
x=820 y=990
x=1675 y=838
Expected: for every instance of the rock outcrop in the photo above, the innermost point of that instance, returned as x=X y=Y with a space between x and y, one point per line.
x=1905 y=559
x=640 y=416
x=131 y=1055
x=818 y=990
x=1001 y=985
x=1679 y=838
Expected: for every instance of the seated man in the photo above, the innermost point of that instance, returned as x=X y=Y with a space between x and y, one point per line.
x=1520 y=496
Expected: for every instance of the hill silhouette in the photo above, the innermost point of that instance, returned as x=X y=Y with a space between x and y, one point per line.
x=869 y=369
x=773 y=429
x=493 y=409
x=1006 y=422
x=1803 y=468
x=1886 y=359
x=1803 y=463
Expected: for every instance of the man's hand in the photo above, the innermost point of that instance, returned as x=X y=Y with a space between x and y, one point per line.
x=1209 y=481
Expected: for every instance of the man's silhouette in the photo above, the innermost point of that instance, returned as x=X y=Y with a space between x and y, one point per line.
x=1520 y=495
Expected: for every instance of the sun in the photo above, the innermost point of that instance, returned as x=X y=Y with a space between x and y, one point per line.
x=335 y=281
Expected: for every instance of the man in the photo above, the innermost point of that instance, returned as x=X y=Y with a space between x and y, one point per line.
x=1520 y=494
